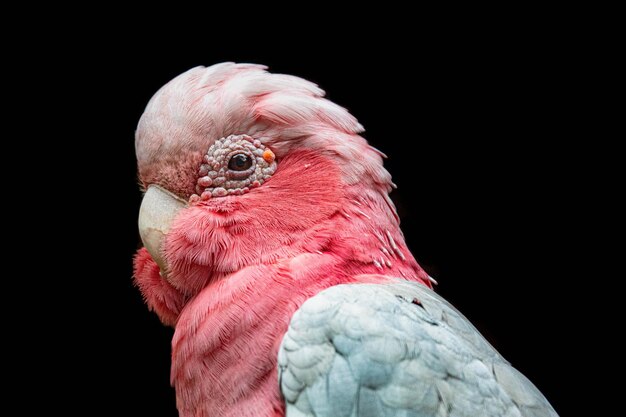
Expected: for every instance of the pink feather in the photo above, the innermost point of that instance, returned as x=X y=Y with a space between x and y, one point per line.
x=239 y=266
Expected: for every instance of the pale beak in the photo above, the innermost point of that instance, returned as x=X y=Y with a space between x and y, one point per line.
x=158 y=208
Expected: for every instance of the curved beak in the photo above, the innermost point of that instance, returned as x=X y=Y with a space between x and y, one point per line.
x=158 y=208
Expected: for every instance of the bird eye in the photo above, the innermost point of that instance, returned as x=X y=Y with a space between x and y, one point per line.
x=239 y=162
x=233 y=166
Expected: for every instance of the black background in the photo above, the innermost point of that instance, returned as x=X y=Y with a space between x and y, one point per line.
x=485 y=192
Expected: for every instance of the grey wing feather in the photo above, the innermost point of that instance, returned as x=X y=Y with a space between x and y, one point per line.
x=400 y=350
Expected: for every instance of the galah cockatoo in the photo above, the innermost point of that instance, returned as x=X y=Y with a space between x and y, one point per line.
x=273 y=249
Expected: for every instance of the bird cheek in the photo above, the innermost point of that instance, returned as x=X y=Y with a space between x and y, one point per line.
x=195 y=244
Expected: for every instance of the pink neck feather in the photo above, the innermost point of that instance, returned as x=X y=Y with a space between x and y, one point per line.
x=227 y=336
x=241 y=266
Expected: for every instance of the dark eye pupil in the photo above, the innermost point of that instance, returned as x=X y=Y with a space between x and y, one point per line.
x=239 y=162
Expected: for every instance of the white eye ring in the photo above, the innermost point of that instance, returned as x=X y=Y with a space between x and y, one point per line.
x=233 y=165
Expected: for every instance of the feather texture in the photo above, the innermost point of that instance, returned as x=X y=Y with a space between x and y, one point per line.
x=395 y=349
x=236 y=268
x=188 y=114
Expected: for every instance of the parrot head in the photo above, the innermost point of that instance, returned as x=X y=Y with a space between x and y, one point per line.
x=242 y=167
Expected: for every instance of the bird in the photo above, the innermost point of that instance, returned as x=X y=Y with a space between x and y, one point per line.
x=272 y=247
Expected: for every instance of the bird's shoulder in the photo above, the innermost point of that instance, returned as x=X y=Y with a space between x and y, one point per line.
x=395 y=348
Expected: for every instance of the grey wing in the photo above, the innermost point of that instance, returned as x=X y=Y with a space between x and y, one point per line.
x=397 y=349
